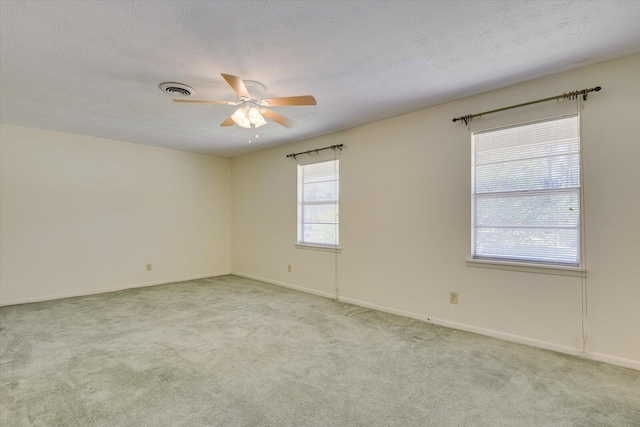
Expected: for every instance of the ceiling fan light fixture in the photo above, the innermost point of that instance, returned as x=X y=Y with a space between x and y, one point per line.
x=255 y=117
x=248 y=117
x=241 y=118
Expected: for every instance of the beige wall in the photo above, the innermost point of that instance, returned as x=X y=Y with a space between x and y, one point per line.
x=82 y=215
x=405 y=221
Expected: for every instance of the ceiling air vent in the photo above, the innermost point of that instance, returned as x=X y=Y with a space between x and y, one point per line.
x=177 y=89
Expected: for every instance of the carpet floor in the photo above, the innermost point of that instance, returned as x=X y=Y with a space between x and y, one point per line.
x=229 y=351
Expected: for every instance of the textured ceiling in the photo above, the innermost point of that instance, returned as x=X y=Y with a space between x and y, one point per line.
x=93 y=67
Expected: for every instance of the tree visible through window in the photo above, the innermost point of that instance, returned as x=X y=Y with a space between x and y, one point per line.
x=318 y=203
x=526 y=192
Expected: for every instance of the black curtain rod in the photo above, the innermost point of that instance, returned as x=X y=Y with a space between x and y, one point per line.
x=333 y=147
x=571 y=95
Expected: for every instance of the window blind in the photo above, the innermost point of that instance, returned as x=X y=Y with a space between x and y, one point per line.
x=526 y=192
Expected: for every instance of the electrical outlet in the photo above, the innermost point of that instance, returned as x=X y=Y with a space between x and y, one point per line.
x=149 y=267
x=289 y=269
x=453 y=297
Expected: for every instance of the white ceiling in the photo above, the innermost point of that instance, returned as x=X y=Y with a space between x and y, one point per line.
x=93 y=67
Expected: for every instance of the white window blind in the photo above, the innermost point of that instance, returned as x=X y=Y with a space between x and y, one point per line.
x=526 y=192
x=318 y=203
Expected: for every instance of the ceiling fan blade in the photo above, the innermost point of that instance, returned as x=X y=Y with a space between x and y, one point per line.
x=291 y=100
x=228 y=122
x=278 y=118
x=205 y=102
x=238 y=85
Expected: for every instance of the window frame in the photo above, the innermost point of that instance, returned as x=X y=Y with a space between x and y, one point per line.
x=300 y=240
x=522 y=264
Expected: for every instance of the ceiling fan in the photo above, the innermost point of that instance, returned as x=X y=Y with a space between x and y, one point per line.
x=252 y=112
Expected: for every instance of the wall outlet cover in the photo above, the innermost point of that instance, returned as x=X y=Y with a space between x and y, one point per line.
x=453 y=297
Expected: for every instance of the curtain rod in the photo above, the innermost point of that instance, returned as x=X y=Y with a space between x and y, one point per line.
x=571 y=95
x=333 y=147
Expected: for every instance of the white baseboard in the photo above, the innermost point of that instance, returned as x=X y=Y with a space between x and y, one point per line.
x=614 y=360
x=285 y=285
x=105 y=290
x=469 y=328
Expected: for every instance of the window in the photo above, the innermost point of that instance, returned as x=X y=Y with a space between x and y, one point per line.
x=318 y=202
x=526 y=193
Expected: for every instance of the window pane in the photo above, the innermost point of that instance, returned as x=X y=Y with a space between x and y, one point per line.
x=531 y=244
x=320 y=171
x=530 y=174
x=551 y=137
x=324 y=234
x=321 y=213
x=492 y=154
x=546 y=210
x=320 y=191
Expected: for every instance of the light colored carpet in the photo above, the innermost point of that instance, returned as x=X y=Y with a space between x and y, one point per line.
x=229 y=351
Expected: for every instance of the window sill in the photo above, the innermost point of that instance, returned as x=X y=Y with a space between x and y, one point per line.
x=335 y=249
x=528 y=268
